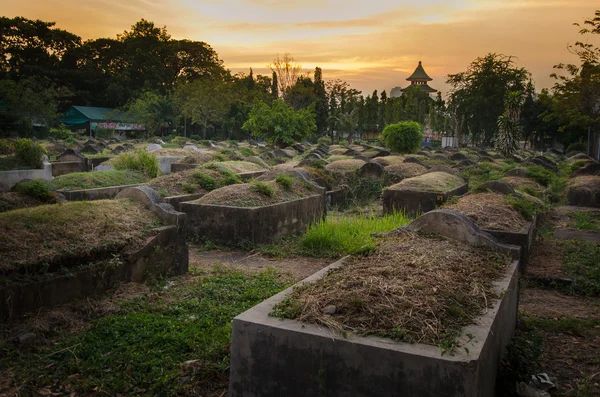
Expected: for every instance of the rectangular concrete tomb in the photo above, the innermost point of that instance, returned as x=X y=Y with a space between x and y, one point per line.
x=275 y=357
x=414 y=200
x=523 y=239
x=226 y=224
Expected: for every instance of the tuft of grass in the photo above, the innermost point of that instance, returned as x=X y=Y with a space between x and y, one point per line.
x=581 y=262
x=144 y=346
x=138 y=160
x=37 y=189
x=263 y=188
x=541 y=175
x=346 y=236
x=92 y=180
x=526 y=208
x=586 y=220
x=285 y=181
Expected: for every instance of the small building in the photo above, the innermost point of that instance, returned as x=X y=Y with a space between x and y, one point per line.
x=419 y=78
x=94 y=118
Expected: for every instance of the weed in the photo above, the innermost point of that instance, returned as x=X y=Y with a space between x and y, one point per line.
x=206 y=181
x=29 y=152
x=36 y=188
x=189 y=188
x=247 y=152
x=587 y=220
x=263 y=188
x=526 y=208
x=519 y=361
x=581 y=261
x=541 y=175
x=286 y=182
x=140 y=161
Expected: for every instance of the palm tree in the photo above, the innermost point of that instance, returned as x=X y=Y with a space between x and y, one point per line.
x=509 y=124
x=348 y=121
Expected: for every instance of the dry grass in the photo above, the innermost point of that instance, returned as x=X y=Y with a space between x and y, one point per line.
x=286 y=166
x=432 y=182
x=241 y=166
x=47 y=233
x=519 y=183
x=246 y=194
x=337 y=151
x=13 y=200
x=586 y=182
x=179 y=183
x=388 y=160
x=414 y=288
x=344 y=166
x=490 y=211
x=198 y=158
x=406 y=170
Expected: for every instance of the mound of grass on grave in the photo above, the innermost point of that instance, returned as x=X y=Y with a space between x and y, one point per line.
x=201 y=158
x=199 y=180
x=28 y=194
x=430 y=182
x=484 y=172
x=44 y=235
x=258 y=194
x=93 y=180
x=389 y=160
x=586 y=183
x=406 y=170
x=144 y=346
x=413 y=288
x=236 y=166
x=344 y=166
x=490 y=211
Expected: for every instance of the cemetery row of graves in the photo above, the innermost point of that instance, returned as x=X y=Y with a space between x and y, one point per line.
x=221 y=268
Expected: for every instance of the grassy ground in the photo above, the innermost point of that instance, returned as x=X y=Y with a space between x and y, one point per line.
x=152 y=341
x=92 y=180
x=9 y=163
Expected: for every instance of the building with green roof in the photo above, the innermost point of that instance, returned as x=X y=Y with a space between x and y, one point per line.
x=91 y=118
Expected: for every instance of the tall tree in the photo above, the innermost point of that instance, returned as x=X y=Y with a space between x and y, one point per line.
x=274 y=86
x=478 y=93
x=321 y=108
x=301 y=95
x=288 y=70
x=509 y=125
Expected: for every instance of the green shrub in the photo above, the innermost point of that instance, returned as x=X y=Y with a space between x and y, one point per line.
x=203 y=142
x=6 y=147
x=519 y=361
x=285 y=181
x=61 y=132
x=577 y=147
x=403 y=137
x=541 y=175
x=29 y=152
x=179 y=140
x=263 y=188
x=206 y=181
x=70 y=140
x=195 y=137
x=36 y=188
x=188 y=188
x=138 y=160
x=324 y=141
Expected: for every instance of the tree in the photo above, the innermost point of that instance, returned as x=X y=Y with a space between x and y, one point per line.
x=279 y=124
x=477 y=95
x=577 y=92
x=348 y=121
x=288 y=70
x=321 y=108
x=509 y=125
x=301 y=95
x=204 y=101
x=274 y=86
x=155 y=111
x=403 y=137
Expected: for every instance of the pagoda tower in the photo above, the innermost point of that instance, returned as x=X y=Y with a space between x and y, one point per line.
x=418 y=78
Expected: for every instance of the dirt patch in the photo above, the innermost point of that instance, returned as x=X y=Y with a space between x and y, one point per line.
x=431 y=182
x=47 y=233
x=13 y=201
x=414 y=288
x=546 y=260
x=489 y=211
x=298 y=268
x=344 y=166
x=555 y=305
x=257 y=194
x=199 y=158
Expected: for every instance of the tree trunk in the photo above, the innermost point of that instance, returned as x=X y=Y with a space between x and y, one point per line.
x=185 y=127
x=204 y=131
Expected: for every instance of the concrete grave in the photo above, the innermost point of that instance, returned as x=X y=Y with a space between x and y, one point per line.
x=283 y=357
x=413 y=195
x=153 y=146
x=372 y=170
x=592 y=169
x=458 y=157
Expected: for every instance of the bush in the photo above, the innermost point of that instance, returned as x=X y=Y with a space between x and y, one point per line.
x=6 y=147
x=140 y=161
x=324 y=141
x=179 y=141
x=36 y=188
x=403 y=137
x=29 y=152
x=195 y=137
x=103 y=133
x=61 y=132
x=70 y=140
x=577 y=147
x=247 y=152
x=263 y=188
x=285 y=181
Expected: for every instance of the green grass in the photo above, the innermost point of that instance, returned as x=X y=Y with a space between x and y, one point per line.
x=139 y=161
x=484 y=172
x=581 y=262
x=586 y=220
x=560 y=325
x=336 y=237
x=263 y=188
x=141 y=349
x=91 y=180
x=9 y=163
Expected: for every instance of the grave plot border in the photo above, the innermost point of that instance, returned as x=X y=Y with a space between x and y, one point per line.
x=413 y=202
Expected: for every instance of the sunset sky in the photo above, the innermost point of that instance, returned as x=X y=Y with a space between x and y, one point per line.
x=372 y=44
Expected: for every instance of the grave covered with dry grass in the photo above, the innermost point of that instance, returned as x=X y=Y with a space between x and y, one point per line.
x=430 y=182
x=414 y=288
x=490 y=211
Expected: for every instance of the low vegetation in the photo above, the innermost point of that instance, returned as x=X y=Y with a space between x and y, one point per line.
x=93 y=180
x=430 y=182
x=403 y=137
x=166 y=343
x=138 y=161
x=490 y=211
